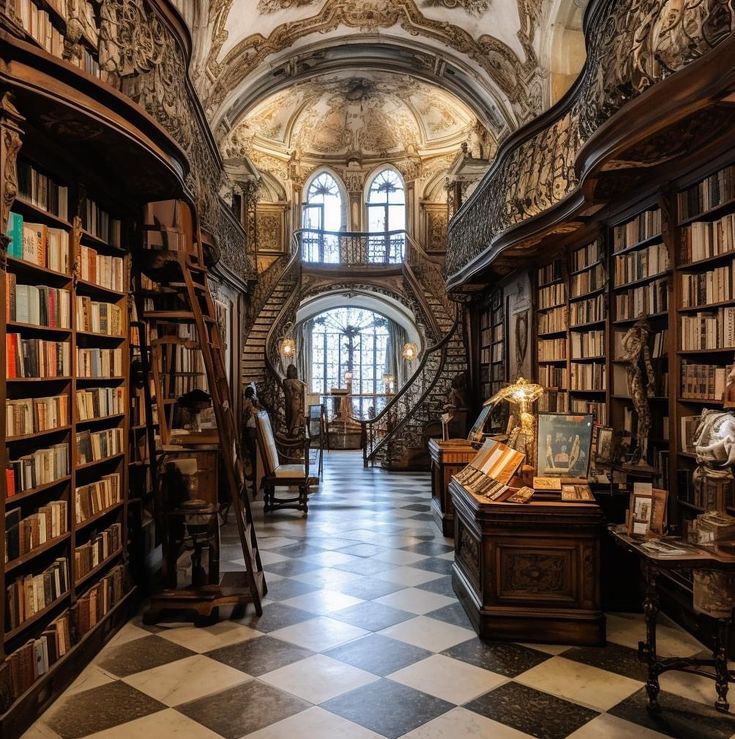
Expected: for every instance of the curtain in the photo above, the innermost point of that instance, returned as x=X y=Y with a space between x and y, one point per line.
x=304 y=351
x=394 y=363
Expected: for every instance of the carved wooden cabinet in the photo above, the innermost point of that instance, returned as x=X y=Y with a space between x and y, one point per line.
x=447 y=459
x=529 y=572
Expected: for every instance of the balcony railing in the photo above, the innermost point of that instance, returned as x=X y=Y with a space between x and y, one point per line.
x=352 y=248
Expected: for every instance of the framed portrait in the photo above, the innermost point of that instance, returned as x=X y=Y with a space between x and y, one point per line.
x=604 y=446
x=640 y=512
x=563 y=444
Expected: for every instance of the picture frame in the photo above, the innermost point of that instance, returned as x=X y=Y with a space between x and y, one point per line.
x=640 y=512
x=563 y=444
x=604 y=446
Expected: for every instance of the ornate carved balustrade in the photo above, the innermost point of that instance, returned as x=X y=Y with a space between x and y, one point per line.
x=352 y=248
x=631 y=46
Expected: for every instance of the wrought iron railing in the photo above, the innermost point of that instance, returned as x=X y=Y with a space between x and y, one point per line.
x=352 y=248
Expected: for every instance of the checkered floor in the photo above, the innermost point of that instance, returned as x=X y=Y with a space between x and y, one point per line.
x=362 y=636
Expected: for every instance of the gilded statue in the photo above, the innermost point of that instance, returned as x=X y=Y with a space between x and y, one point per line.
x=637 y=356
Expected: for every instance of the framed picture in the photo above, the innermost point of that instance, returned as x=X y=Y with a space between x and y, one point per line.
x=563 y=444
x=520 y=321
x=640 y=512
x=476 y=432
x=604 y=446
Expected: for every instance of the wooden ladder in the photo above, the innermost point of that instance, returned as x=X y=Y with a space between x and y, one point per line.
x=182 y=272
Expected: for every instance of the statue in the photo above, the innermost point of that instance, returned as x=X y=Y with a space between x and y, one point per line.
x=295 y=392
x=638 y=357
x=457 y=405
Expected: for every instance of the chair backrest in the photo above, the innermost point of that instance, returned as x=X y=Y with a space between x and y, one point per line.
x=267 y=442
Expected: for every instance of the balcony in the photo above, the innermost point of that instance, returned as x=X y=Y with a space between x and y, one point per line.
x=352 y=248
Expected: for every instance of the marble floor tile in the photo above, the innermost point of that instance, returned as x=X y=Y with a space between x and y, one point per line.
x=319 y=634
x=99 y=709
x=276 y=616
x=39 y=730
x=362 y=550
x=286 y=587
x=500 y=657
x=415 y=600
x=92 y=677
x=436 y=564
x=409 y=577
x=606 y=726
x=612 y=657
x=528 y=710
x=141 y=654
x=314 y=723
x=274 y=542
x=365 y=566
x=399 y=557
x=318 y=678
x=448 y=679
x=452 y=614
x=258 y=656
x=243 y=709
x=168 y=724
x=459 y=722
x=671 y=641
x=586 y=685
x=442 y=586
x=378 y=654
x=388 y=708
x=371 y=615
x=200 y=640
x=331 y=558
x=427 y=633
x=186 y=680
x=430 y=548
x=322 y=601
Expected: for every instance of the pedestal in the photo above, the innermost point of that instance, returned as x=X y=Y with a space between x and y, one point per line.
x=447 y=459
x=529 y=572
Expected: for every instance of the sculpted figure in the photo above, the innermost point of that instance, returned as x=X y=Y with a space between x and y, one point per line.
x=295 y=392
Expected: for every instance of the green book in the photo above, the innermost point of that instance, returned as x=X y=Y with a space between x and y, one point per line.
x=15 y=232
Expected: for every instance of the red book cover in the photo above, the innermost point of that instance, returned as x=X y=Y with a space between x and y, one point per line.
x=52 y=308
x=9 y=483
x=11 y=359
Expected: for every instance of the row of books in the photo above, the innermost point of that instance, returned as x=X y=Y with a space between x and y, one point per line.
x=33 y=415
x=489 y=335
x=28 y=595
x=586 y=256
x=549 y=273
x=100 y=224
x=588 y=281
x=100 y=402
x=703 y=381
x=644 y=300
x=687 y=428
x=97 y=550
x=708 y=330
x=552 y=349
x=96 y=497
x=100 y=599
x=99 y=362
x=587 y=311
x=496 y=355
x=554 y=401
x=713 y=286
x=34 y=659
x=551 y=376
x=657 y=344
x=706 y=239
x=95 y=445
x=553 y=321
x=42 y=191
x=36 y=357
x=586 y=344
x=644 y=226
x=587 y=376
x=40 y=467
x=639 y=265
x=37 y=305
x=552 y=295
x=101 y=269
x=596 y=408
x=711 y=192
x=23 y=535
x=39 y=244
x=99 y=318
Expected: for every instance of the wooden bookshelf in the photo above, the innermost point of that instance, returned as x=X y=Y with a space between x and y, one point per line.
x=41 y=291
x=552 y=337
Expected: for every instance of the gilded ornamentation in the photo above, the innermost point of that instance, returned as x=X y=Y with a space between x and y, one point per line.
x=272 y=6
x=476 y=7
x=631 y=46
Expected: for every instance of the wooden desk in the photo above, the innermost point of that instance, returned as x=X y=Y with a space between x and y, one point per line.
x=704 y=560
x=447 y=459
x=529 y=572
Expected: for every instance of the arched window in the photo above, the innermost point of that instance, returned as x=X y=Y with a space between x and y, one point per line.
x=386 y=205
x=322 y=211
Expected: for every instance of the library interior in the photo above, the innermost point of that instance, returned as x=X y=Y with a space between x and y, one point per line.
x=369 y=369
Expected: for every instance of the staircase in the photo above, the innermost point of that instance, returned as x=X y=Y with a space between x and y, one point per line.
x=396 y=438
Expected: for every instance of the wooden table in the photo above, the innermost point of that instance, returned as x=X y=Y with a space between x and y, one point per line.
x=529 y=572
x=447 y=459
x=701 y=559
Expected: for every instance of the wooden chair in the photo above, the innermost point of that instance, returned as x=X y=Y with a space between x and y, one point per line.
x=282 y=475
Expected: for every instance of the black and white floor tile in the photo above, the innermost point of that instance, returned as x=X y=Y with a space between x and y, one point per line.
x=362 y=636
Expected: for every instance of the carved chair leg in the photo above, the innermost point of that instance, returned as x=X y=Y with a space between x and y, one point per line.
x=304 y=498
x=647 y=649
x=720 y=655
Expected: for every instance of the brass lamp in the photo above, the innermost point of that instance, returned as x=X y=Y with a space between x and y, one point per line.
x=287 y=348
x=523 y=394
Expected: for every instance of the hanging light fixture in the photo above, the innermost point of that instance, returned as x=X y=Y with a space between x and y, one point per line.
x=410 y=351
x=287 y=348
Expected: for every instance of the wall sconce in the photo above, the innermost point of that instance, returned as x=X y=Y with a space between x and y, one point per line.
x=287 y=349
x=410 y=351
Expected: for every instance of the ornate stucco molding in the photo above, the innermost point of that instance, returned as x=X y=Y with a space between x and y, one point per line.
x=631 y=46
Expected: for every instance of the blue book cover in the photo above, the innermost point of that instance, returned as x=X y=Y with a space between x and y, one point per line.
x=15 y=232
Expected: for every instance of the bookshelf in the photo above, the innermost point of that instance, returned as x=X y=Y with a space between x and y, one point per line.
x=64 y=493
x=552 y=341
